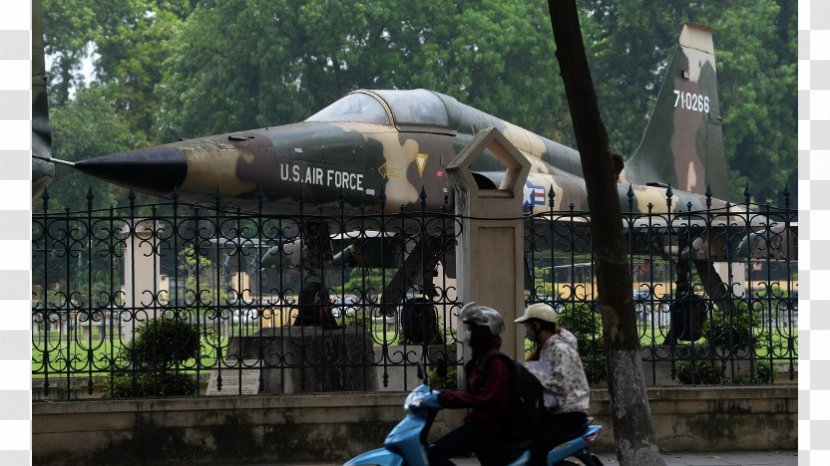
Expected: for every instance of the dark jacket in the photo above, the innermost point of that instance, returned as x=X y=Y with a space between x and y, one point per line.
x=488 y=398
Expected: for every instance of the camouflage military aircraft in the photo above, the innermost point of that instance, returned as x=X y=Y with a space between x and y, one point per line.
x=399 y=143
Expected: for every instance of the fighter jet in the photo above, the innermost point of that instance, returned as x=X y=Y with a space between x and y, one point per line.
x=396 y=144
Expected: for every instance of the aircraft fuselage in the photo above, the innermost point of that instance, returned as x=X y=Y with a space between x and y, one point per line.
x=361 y=163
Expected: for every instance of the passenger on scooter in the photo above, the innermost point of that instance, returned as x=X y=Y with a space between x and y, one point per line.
x=488 y=400
x=563 y=375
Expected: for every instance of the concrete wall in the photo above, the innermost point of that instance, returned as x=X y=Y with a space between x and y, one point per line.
x=334 y=427
x=714 y=419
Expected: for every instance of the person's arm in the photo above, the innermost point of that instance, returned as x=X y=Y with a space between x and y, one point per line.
x=545 y=376
x=496 y=382
x=541 y=369
x=554 y=379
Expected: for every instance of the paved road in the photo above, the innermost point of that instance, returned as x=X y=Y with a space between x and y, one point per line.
x=743 y=458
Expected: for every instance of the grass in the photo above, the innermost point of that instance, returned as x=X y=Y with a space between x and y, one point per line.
x=765 y=340
x=103 y=351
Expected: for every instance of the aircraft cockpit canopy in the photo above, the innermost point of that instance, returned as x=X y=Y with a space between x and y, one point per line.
x=415 y=108
x=409 y=108
x=357 y=107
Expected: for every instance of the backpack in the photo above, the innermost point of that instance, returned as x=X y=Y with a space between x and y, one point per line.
x=526 y=406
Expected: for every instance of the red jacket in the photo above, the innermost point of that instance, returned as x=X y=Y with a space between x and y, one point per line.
x=489 y=400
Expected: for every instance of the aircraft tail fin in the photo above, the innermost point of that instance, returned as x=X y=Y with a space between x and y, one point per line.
x=683 y=142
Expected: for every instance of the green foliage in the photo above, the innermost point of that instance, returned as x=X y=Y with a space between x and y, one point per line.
x=733 y=332
x=193 y=265
x=358 y=319
x=361 y=279
x=628 y=44
x=150 y=384
x=731 y=335
x=764 y=374
x=86 y=126
x=156 y=354
x=267 y=63
x=699 y=372
x=586 y=325
x=180 y=68
x=162 y=343
x=707 y=372
x=68 y=27
x=449 y=382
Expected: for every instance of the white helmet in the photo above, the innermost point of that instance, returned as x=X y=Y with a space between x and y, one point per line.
x=473 y=313
x=539 y=311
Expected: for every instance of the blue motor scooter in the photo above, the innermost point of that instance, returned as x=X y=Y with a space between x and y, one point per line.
x=406 y=444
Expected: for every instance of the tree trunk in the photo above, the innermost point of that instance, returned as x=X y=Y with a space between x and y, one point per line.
x=633 y=432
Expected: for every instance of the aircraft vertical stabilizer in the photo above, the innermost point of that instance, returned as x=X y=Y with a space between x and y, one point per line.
x=683 y=142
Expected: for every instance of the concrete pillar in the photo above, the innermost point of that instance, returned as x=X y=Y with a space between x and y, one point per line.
x=141 y=272
x=491 y=247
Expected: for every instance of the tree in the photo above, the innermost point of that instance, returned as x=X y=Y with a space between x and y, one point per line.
x=633 y=432
x=241 y=64
x=68 y=27
x=630 y=43
x=84 y=127
x=187 y=68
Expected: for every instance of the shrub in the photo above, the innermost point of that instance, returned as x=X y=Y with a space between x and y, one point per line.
x=733 y=333
x=763 y=375
x=162 y=343
x=699 y=372
x=150 y=384
x=440 y=383
x=156 y=354
x=586 y=325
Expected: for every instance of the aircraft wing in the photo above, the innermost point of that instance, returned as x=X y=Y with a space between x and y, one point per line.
x=714 y=236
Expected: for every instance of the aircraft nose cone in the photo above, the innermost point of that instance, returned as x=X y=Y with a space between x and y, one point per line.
x=155 y=170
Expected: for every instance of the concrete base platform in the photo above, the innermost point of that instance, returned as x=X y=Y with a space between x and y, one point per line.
x=321 y=359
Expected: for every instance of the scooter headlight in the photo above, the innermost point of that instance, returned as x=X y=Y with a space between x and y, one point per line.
x=413 y=400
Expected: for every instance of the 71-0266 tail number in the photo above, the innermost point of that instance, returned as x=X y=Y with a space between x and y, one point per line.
x=691 y=101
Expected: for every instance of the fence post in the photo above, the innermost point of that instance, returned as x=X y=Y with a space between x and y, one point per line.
x=490 y=249
x=141 y=278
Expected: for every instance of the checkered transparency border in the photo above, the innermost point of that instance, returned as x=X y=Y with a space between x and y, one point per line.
x=814 y=230
x=15 y=232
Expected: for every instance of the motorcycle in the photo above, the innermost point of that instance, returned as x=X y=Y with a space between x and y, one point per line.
x=406 y=444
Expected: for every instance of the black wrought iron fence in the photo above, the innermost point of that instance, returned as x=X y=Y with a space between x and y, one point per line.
x=161 y=299
x=174 y=299
x=715 y=292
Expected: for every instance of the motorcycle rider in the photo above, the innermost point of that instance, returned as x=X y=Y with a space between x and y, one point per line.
x=563 y=375
x=488 y=400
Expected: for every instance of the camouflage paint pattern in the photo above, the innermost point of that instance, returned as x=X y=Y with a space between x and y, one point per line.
x=322 y=162
x=683 y=142
x=42 y=170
